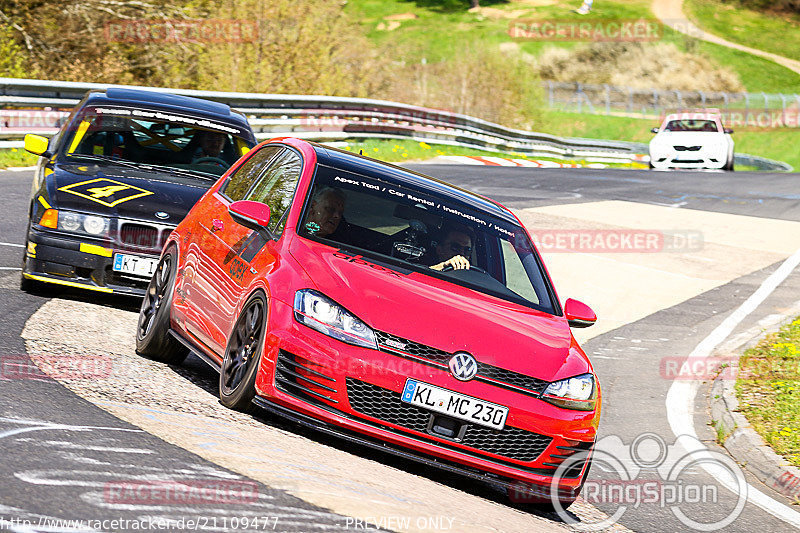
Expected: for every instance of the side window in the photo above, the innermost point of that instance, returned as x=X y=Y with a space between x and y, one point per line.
x=238 y=184
x=517 y=278
x=276 y=187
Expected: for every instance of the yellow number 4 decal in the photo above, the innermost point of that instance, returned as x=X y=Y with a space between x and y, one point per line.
x=103 y=192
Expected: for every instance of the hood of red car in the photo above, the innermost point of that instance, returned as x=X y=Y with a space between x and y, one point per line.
x=444 y=315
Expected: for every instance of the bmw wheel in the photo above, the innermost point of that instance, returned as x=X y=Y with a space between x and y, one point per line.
x=237 y=377
x=152 y=333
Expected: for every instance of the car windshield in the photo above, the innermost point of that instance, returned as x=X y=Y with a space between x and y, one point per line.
x=181 y=143
x=692 y=125
x=419 y=230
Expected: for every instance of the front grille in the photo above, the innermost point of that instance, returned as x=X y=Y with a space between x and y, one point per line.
x=140 y=236
x=397 y=345
x=687 y=148
x=303 y=378
x=385 y=405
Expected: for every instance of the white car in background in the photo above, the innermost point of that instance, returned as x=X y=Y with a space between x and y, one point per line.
x=692 y=140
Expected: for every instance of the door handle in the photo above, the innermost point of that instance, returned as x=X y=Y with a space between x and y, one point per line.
x=217 y=225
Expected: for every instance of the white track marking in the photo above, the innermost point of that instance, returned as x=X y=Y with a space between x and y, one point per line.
x=10 y=268
x=681 y=395
x=12 y=244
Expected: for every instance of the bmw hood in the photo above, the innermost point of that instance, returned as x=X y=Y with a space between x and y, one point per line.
x=688 y=138
x=125 y=192
x=444 y=315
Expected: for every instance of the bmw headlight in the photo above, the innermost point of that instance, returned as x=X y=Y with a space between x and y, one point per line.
x=319 y=312
x=579 y=393
x=78 y=222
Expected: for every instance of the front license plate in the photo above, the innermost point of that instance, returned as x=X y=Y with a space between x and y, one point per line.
x=135 y=265
x=454 y=404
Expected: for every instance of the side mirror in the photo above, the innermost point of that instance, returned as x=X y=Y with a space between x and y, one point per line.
x=728 y=131
x=37 y=145
x=253 y=215
x=579 y=315
x=654 y=130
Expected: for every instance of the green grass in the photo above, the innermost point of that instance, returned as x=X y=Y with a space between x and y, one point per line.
x=443 y=29
x=769 y=390
x=16 y=157
x=779 y=144
x=779 y=34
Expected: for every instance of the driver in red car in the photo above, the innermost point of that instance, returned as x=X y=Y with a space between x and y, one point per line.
x=325 y=214
x=453 y=250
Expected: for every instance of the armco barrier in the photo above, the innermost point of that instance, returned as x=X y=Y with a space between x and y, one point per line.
x=327 y=118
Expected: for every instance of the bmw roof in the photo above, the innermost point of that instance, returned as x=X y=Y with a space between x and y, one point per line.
x=173 y=102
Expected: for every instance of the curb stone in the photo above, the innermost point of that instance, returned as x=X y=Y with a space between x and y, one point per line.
x=746 y=446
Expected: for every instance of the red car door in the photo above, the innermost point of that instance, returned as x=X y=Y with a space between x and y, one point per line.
x=208 y=293
x=233 y=247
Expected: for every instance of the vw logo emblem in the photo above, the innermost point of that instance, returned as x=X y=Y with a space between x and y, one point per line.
x=163 y=215
x=463 y=366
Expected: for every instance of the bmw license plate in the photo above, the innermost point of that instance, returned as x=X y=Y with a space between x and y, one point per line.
x=454 y=404
x=135 y=265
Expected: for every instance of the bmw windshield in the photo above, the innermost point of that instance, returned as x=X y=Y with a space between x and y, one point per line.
x=177 y=143
x=433 y=234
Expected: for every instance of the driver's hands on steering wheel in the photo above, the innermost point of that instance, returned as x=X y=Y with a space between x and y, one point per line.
x=457 y=262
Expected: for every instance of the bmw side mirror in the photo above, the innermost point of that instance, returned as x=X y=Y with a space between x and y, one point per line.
x=37 y=145
x=253 y=215
x=654 y=130
x=728 y=131
x=578 y=314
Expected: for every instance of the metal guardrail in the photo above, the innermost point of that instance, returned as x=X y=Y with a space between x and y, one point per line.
x=611 y=99
x=323 y=118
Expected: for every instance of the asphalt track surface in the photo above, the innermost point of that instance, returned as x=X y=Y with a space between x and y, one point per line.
x=60 y=451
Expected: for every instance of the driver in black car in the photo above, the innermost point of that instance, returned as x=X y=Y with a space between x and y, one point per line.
x=211 y=145
x=453 y=250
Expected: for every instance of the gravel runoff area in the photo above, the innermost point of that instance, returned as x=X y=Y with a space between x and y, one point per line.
x=90 y=349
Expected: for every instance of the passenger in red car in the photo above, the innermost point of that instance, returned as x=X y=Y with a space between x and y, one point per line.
x=327 y=208
x=456 y=242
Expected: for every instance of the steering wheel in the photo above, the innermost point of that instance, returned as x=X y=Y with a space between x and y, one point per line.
x=210 y=159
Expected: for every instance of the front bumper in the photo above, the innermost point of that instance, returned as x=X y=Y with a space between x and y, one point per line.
x=686 y=159
x=322 y=383
x=79 y=261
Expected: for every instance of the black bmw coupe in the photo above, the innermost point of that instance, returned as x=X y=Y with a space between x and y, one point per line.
x=122 y=172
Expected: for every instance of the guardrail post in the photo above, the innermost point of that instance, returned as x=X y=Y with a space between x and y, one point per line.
x=630 y=100
x=550 y=95
x=608 y=98
x=702 y=98
x=746 y=107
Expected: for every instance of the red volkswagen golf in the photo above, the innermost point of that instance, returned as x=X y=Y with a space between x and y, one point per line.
x=385 y=307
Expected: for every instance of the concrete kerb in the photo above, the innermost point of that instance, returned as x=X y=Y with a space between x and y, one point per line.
x=746 y=446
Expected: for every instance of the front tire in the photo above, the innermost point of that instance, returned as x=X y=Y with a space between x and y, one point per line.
x=237 y=377
x=152 y=332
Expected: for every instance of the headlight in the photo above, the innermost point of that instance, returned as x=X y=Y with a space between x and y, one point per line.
x=319 y=312
x=577 y=393
x=78 y=222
